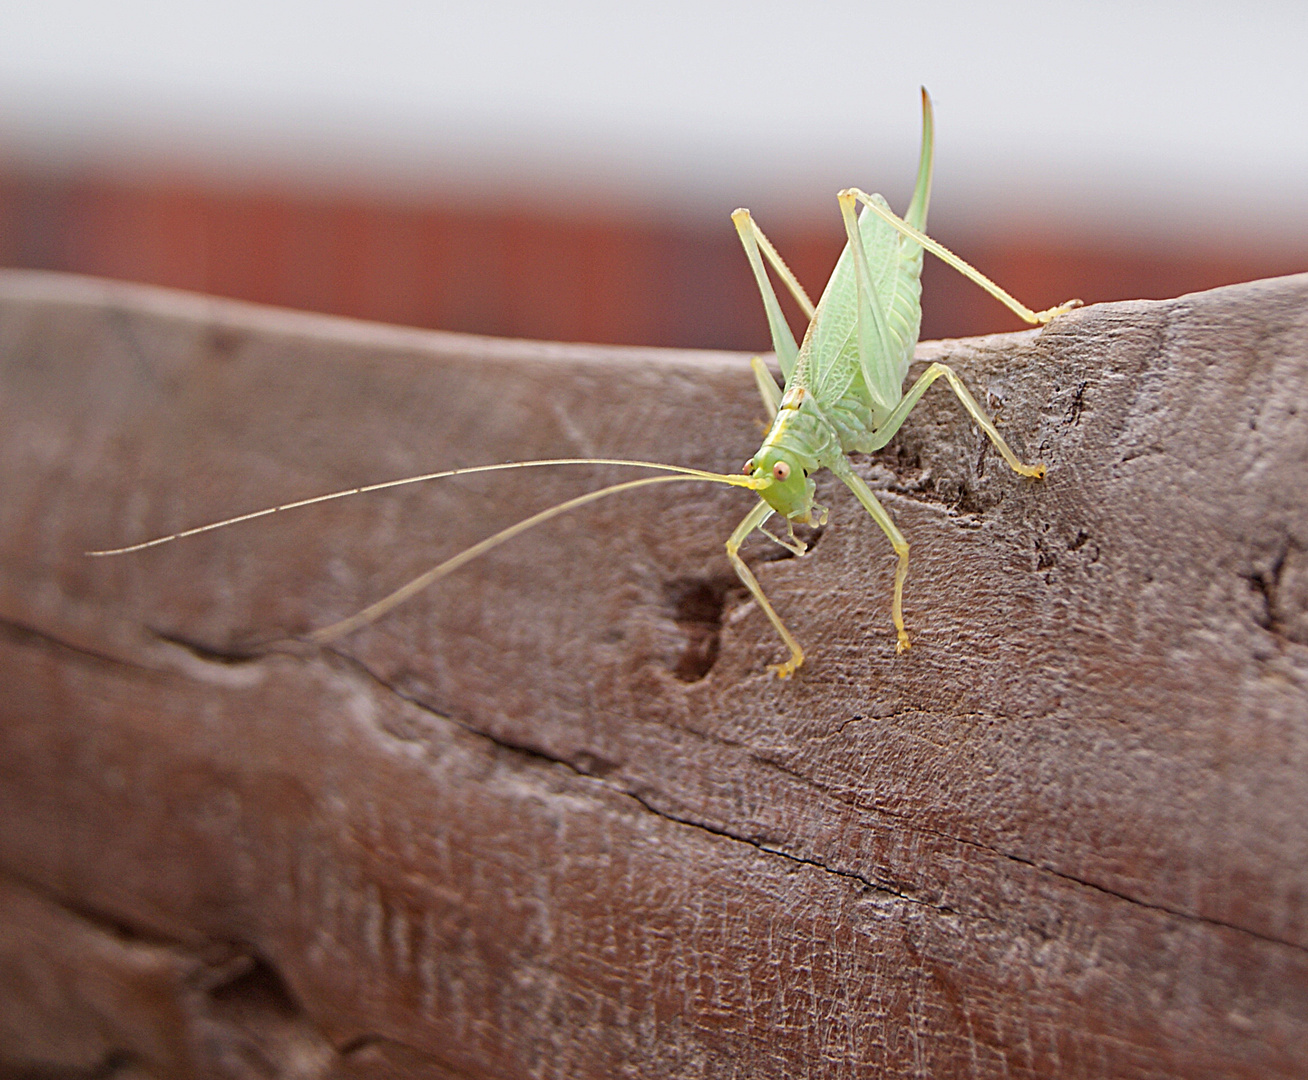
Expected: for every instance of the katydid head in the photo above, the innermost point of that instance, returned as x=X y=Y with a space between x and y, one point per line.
x=791 y=491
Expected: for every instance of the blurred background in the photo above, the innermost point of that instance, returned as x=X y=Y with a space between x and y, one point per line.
x=567 y=170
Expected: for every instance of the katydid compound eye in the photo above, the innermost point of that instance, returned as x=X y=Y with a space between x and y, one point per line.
x=749 y=467
x=781 y=471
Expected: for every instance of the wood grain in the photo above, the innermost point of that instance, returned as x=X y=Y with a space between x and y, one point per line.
x=553 y=818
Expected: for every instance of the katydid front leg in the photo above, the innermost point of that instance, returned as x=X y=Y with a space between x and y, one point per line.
x=757 y=246
x=882 y=517
x=753 y=520
x=768 y=389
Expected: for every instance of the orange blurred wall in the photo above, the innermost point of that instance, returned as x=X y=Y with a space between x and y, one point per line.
x=535 y=273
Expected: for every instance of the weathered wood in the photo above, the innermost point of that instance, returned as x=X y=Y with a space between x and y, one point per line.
x=552 y=818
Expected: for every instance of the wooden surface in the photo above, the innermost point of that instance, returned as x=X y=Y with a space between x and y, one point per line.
x=553 y=818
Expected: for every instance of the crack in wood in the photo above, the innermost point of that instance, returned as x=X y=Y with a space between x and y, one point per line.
x=600 y=777
x=540 y=755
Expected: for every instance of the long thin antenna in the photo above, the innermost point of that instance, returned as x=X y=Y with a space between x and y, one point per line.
x=721 y=478
x=382 y=606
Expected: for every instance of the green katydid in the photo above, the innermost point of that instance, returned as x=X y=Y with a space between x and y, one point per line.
x=843 y=394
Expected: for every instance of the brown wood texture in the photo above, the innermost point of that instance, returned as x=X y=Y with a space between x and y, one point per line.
x=553 y=818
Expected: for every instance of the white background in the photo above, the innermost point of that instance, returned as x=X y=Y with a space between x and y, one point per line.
x=1175 y=118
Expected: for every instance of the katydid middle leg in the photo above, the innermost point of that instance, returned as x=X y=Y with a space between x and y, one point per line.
x=963 y=267
x=900 y=413
x=882 y=377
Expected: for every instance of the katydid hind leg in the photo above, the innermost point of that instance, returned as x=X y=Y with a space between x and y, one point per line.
x=875 y=351
x=753 y=520
x=1026 y=314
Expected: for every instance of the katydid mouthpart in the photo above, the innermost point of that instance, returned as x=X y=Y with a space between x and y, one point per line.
x=843 y=394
